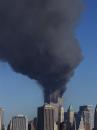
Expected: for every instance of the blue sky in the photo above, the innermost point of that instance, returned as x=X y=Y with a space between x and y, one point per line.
x=18 y=94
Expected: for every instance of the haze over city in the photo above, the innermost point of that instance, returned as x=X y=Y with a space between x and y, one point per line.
x=17 y=94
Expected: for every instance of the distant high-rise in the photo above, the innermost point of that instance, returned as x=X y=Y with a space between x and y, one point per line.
x=61 y=114
x=87 y=113
x=95 y=118
x=1 y=118
x=70 y=118
x=46 y=117
x=19 y=122
x=71 y=114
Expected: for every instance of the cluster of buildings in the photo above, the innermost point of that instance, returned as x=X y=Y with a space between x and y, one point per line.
x=53 y=117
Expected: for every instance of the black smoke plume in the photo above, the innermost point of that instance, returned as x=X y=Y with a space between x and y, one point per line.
x=37 y=39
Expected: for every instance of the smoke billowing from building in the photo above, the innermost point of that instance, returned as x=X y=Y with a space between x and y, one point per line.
x=37 y=39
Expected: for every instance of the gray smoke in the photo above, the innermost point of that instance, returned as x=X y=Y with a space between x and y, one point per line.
x=37 y=39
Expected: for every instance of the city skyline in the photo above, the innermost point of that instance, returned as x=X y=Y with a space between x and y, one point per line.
x=83 y=119
x=82 y=87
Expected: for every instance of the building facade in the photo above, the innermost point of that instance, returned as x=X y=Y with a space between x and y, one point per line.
x=81 y=124
x=46 y=118
x=19 y=122
x=71 y=118
x=87 y=113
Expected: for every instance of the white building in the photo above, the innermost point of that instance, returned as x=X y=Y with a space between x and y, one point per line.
x=19 y=122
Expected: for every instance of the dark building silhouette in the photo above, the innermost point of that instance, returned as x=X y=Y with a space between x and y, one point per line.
x=95 y=118
x=63 y=126
x=31 y=125
x=8 y=127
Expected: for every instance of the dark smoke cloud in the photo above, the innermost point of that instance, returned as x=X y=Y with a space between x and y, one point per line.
x=37 y=39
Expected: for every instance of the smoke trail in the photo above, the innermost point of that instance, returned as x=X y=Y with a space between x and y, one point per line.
x=37 y=39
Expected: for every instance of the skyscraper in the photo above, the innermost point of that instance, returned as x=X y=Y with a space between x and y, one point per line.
x=71 y=114
x=87 y=113
x=19 y=122
x=61 y=114
x=46 y=117
x=1 y=118
x=71 y=122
